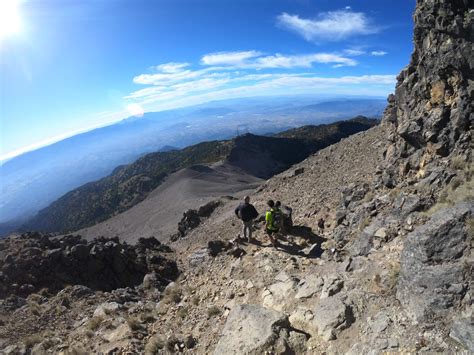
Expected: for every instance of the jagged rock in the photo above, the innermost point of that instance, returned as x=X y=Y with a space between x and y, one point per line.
x=298 y=171
x=192 y=218
x=353 y=193
x=198 y=257
x=275 y=295
x=328 y=317
x=122 y=332
x=308 y=286
x=332 y=285
x=215 y=247
x=380 y=323
x=189 y=221
x=250 y=329
x=207 y=209
x=332 y=314
x=340 y=215
x=462 y=331
x=303 y=318
x=106 y=309
x=432 y=107
x=39 y=261
x=236 y=252
x=151 y=281
x=433 y=275
x=362 y=245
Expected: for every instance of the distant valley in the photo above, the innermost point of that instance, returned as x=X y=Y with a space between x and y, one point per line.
x=33 y=180
x=245 y=159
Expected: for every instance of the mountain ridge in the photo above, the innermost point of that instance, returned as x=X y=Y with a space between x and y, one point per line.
x=130 y=184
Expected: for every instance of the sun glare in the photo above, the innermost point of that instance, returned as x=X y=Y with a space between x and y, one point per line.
x=135 y=110
x=10 y=22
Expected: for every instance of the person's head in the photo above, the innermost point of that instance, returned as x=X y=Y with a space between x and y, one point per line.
x=277 y=204
x=247 y=199
x=270 y=203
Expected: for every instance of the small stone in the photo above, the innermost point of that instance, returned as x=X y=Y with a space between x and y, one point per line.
x=381 y=233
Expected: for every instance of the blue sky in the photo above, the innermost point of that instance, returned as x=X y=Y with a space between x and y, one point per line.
x=68 y=65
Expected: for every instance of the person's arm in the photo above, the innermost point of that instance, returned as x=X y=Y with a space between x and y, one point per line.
x=254 y=212
x=267 y=219
x=237 y=211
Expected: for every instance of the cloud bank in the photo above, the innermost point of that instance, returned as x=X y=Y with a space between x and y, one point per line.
x=224 y=75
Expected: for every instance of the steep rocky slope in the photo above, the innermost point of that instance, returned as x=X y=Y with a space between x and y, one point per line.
x=391 y=271
x=160 y=212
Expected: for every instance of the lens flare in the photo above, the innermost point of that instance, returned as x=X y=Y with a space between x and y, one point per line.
x=10 y=21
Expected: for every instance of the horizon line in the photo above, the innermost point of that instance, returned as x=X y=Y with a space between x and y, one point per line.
x=61 y=137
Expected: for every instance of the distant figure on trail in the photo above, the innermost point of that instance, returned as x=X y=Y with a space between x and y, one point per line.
x=272 y=221
x=247 y=213
x=321 y=225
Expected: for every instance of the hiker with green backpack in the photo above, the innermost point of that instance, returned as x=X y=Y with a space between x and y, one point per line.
x=272 y=222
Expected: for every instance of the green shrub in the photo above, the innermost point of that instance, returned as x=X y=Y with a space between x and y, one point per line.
x=134 y=323
x=183 y=312
x=154 y=345
x=458 y=163
x=213 y=311
x=94 y=322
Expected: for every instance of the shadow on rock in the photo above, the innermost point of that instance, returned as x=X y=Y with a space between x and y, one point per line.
x=314 y=250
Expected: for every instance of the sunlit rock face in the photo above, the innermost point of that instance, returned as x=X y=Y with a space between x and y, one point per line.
x=431 y=111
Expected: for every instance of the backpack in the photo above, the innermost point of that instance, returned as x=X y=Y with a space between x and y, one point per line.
x=277 y=218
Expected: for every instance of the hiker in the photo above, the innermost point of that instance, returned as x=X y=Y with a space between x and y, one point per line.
x=247 y=213
x=321 y=225
x=272 y=222
x=284 y=217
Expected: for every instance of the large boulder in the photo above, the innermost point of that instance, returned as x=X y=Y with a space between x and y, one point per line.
x=276 y=295
x=327 y=319
x=433 y=274
x=251 y=329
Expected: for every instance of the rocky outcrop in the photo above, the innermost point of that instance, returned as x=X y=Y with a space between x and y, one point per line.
x=251 y=329
x=192 y=218
x=462 y=332
x=34 y=261
x=435 y=271
x=431 y=112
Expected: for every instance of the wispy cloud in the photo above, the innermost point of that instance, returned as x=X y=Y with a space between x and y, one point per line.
x=354 y=52
x=172 y=67
x=378 y=53
x=257 y=60
x=328 y=26
x=224 y=75
x=229 y=58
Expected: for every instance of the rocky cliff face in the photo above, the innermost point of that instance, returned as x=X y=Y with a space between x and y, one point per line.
x=431 y=112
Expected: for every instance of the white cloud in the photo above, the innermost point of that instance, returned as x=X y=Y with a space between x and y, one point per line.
x=256 y=60
x=353 y=52
x=378 y=53
x=164 y=78
x=250 y=73
x=171 y=67
x=330 y=26
x=229 y=58
x=169 y=74
x=301 y=61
